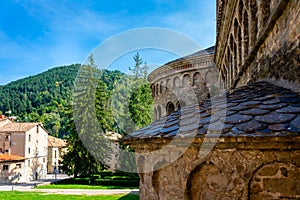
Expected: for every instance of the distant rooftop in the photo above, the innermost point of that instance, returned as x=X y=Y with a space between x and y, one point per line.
x=10 y=157
x=17 y=127
x=56 y=142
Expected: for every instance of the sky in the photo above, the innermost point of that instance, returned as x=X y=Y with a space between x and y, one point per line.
x=37 y=35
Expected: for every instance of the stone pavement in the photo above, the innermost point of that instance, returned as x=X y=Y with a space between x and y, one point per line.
x=50 y=178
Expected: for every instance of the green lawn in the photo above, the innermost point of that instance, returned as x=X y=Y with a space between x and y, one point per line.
x=43 y=196
x=72 y=186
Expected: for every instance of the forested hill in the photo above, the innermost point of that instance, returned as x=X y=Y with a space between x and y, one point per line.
x=40 y=98
x=35 y=93
x=46 y=98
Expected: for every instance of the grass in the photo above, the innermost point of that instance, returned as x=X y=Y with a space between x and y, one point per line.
x=75 y=186
x=15 y=195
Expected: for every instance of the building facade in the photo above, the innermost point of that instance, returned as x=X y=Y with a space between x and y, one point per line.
x=256 y=40
x=28 y=140
x=191 y=76
x=56 y=149
x=11 y=168
x=244 y=144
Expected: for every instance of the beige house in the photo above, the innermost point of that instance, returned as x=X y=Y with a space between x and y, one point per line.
x=28 y=140
x=11 y=168
x=56 y=149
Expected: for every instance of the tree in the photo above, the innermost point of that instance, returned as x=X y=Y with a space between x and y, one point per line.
x=78 y=161
x=141 y=104
x=86 y=143
x=136 y=70
x=103 y=108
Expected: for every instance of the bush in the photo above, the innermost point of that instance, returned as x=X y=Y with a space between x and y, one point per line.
x=105 y=178
x=127 y=183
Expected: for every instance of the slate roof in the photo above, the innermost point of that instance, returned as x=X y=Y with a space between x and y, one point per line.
x=208 y=51
x=259 y=109
x=17 y=127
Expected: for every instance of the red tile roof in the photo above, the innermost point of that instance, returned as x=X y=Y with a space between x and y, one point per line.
x=10 y=157
x=17 y=127
x=56 y=142
x=4 y=122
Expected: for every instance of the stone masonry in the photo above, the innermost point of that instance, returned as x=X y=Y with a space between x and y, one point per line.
x=182 y=82
x=242 y=144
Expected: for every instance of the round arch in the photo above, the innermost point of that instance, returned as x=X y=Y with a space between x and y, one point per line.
x=186 y=80
x=170 y=108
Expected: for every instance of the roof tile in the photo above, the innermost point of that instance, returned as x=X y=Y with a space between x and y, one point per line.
x=256 y=109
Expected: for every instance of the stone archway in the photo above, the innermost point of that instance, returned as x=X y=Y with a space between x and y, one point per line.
x=205 y=182
x=275 y=181
x=170 y=108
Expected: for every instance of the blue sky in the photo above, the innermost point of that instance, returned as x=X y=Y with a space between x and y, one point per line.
x=36 y=35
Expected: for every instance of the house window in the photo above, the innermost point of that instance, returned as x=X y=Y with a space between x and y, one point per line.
x=5 y=167
x=28 y=163
x=37 y=129
x=55 y=154
x=29 y=138
x=7 y=138
x=18 y=165
x=28 y=150
x=44 y=160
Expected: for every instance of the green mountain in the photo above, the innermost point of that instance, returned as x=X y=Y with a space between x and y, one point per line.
x=46 y=98
x=41 y=97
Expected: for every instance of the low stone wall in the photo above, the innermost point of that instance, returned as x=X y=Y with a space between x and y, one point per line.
x=266 y=169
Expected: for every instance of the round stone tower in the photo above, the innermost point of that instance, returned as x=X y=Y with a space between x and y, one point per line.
x=188 y=78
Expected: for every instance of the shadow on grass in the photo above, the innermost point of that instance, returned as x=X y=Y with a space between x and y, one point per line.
x=130 y=196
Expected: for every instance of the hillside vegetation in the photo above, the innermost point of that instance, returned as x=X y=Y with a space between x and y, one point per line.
x=47 y=98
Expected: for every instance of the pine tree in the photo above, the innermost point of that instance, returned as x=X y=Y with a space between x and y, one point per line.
x=103 y=107
x=87 y=142
x=78 y=161
x=136 y=70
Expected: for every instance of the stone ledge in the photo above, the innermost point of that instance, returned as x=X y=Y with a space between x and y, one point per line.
x=222 y=142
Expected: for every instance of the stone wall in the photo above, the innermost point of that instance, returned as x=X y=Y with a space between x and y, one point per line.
x=182 y=82
x=257 y=39
x=231 y=171
x=279 y=56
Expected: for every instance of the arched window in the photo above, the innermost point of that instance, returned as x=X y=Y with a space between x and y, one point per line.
x=210 y=77
x=162 y=88
x=170 y=108
x=197 y=79
x=153 y=90
x=245 y=35
x=186 y=80
x=176 y=82
x=157 y=89
x=253 y=24
x=155 y=114
x=168 y=85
